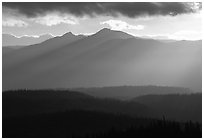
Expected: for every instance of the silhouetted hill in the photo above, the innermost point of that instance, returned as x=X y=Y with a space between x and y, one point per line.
x=63 y=113
x=25 y=102
x=85 y=124
x=175 y=106
x=107 y=58
x=129 y=92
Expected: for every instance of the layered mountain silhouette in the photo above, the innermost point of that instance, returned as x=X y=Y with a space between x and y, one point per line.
x=34 y=102
x=107 y=58
x=131 y=92
x=11 y=41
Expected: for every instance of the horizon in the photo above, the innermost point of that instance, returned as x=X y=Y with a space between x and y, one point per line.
x=153 y=21
x=142 y=37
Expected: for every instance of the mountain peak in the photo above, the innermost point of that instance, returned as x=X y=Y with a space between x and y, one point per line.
x=68 y=34
x=106 y=32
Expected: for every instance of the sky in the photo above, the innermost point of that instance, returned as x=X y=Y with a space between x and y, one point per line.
x=168 y=20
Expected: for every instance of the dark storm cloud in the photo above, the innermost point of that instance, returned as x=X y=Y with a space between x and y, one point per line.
x=34 y=9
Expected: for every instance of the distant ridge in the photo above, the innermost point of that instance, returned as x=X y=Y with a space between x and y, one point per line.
x=10 y=40
x=129 y=92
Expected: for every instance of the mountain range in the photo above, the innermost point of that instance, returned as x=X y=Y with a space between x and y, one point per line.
x=12 y=41
x=106 y=58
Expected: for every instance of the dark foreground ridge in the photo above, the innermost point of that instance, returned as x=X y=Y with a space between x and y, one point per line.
x=80 y=123
x=63 y=114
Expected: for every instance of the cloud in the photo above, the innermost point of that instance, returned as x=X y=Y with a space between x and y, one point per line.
x=51 y=20
x=10 y=22
x=186 y=35
x=128 y=9
x=35 y=36
x=121 y=25
x=180 y=35
x=11 y=19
